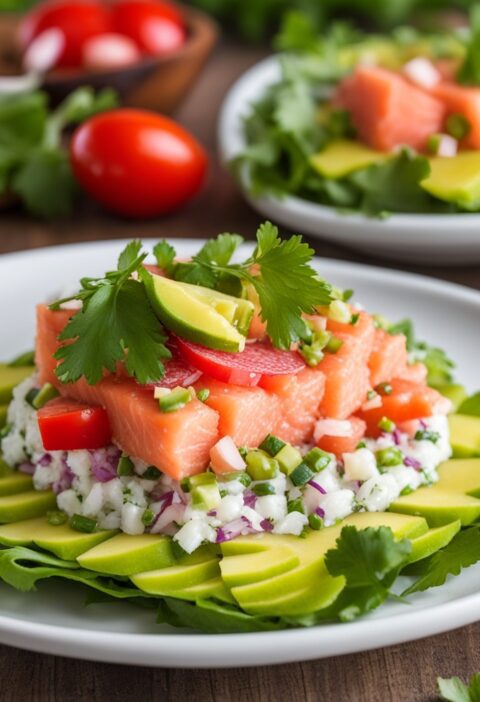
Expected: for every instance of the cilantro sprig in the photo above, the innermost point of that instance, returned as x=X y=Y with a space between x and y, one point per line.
x=116 y=323
x=279 y=271
x=454 y=690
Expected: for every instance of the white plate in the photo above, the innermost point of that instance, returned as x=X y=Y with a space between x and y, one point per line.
x=53 y=620
x=416 y=238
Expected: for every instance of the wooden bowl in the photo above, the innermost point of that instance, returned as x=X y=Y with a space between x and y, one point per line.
x=155 y=83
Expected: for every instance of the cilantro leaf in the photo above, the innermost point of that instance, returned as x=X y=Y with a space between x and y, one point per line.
x=370 y=560
x=462 y=552
x=469 y=71
x=454 y=690
x=219 y=250
x=128 y=258
x=164 y=253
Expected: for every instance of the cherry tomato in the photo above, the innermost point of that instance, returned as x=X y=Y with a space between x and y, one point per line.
x=66 y=425
x=137 y=163
x=156 y=26
x=245 y=368
x=78 y=20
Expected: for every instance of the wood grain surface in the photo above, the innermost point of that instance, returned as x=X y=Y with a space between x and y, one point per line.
x=405 y=673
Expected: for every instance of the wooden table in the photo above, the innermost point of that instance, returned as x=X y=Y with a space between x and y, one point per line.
x=405 y=673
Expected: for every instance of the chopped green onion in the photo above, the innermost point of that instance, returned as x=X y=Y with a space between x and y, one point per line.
x=185 y=484
x=223 y=493
x=151 y=473
x=312 y=354
x=388 y=457
x=148 y=517
x=360 y=445
x=386 y=425
x=406 y=490
x=260 y=466
x=25 y=359
x=175 y=400
x=83 y=524
x=317 y=460
x=261 y=489
x=384 y=389
x=334 y=344
x=177 y=551
x=371 y=395
x=339 y=311
x=433 y=143
x=44 y=395
x=5 y=431
x=301 y=475
x=457 y=125
x=56 y=517
x=315 y=521
x=241 y=476
x=288 y=458
x=272 y=444
x=203 y=394
x=427 y=435
x=125 y=466
x=354 y=318
x=31 y=395
x=296 y=506
x=242 y=450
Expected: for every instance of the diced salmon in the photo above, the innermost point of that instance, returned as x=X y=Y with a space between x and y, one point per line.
x=407 y=401
x=363 y=331
x=388 y=111
x=344 y=444
x=258 y=329
x=389 y=357
x=416 y=373
x=178 y=443
x=460 y=99
x=247 y=414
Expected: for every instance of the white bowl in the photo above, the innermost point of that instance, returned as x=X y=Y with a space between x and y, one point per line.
x=451 y=239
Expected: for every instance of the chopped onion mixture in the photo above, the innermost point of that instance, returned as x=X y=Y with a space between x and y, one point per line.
x=87 y=483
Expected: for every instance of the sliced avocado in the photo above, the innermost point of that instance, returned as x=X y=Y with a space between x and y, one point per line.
x=454 y=392
x=3 y=415
x=192 y=570
x=471 y=405
x=455 y=179
x=128 y=555
x=433 y=540
x=439 y=506
x=11 y=376
x=204 y=316
x=64 y=542
x=464 y=435
x=14 y=483
x=246 y=568
x=460 y=475
x=205 y=590
x=344 y=156
x=25 y=505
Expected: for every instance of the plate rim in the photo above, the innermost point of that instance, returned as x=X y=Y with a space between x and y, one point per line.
x=192 y=650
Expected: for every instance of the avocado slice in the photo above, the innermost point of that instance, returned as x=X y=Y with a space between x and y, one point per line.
x=439 y=506
x=455 y=179
x=10 y=377
x=433 y=540
x=344 y=156
x=454 y=392
x=464 y=435
x=61 y=540
x=128 y=555
x=13 y=483
x=200 y=566
x=273 y=559
x=25 y=505
x=460 y=475
x=206 y=590
x=201 y=315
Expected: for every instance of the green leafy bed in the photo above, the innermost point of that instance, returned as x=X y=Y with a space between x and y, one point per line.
x=292 y=121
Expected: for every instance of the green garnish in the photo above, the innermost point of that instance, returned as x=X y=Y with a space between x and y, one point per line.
x=389 y=457
x=317 y=460
x=457 y=126
x=334 y=344
x=83 y=524
x=272 y=444
x=386 y=425
x=384 y=389
x=151 y=473
x=31 y=395
x=454 y=690
x=260 y=466
x=295 y=506
x=203 y=394
x=46 y=393
x=469 y=72
x=262 y=489
x=427 y=435
x=57 y=517
x=148 y=517
x=315 y=522
x=175 y=400
x=125 y=466
x=301 y=475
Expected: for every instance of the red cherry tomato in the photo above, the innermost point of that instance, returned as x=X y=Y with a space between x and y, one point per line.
x=156 y=26
x=245 y=368
x=78 y=20
x=66 y=425
x=137 y=163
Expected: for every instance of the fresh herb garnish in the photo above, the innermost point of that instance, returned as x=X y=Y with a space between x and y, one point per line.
x=116 y=323
x=454 y=690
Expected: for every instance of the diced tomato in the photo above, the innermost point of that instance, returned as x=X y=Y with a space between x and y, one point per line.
x=407 y=401
x=344 y=444
x=245 y=368
x=66 y=425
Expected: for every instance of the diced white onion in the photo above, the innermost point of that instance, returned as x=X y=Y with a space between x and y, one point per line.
x=225 y=456
x=422 y=72
x=332 y=427
x=360 y=465
x=447 y=146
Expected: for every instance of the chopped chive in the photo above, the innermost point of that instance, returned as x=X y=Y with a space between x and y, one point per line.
x=203 y=394
x=315 y=521
x=427 y=435
x=148 y=517
x=388 y=457
x=125 y=466
x=384 y=389
x=223 y=493
x=317 y=460
x=56 y=517
x=44 y=395
x=243 y=478
x=262 y=489
x=175 y=400
x=360 y=445
x=83 y=524
x=25 y=359
x=272 y=444
x=334 y=344
x=151 y=473
x=296 y=506
x=301 y=475
x=354 y=318
x=406 y=490
x=386 y=425
x=457 y=125
x=31 y=395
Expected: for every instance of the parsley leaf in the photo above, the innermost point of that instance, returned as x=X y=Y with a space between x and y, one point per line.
x=370 y=560
x=164 y=253
x=115 y=324
x=219 y=250
x=469 y=72
x=454 y=690
x=462 y=552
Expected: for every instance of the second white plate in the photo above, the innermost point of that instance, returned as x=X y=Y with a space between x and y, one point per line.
x=415 y=238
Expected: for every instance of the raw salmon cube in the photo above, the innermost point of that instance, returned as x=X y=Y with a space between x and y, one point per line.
x=389 y=357
x=344 y=444
x=460 y=99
